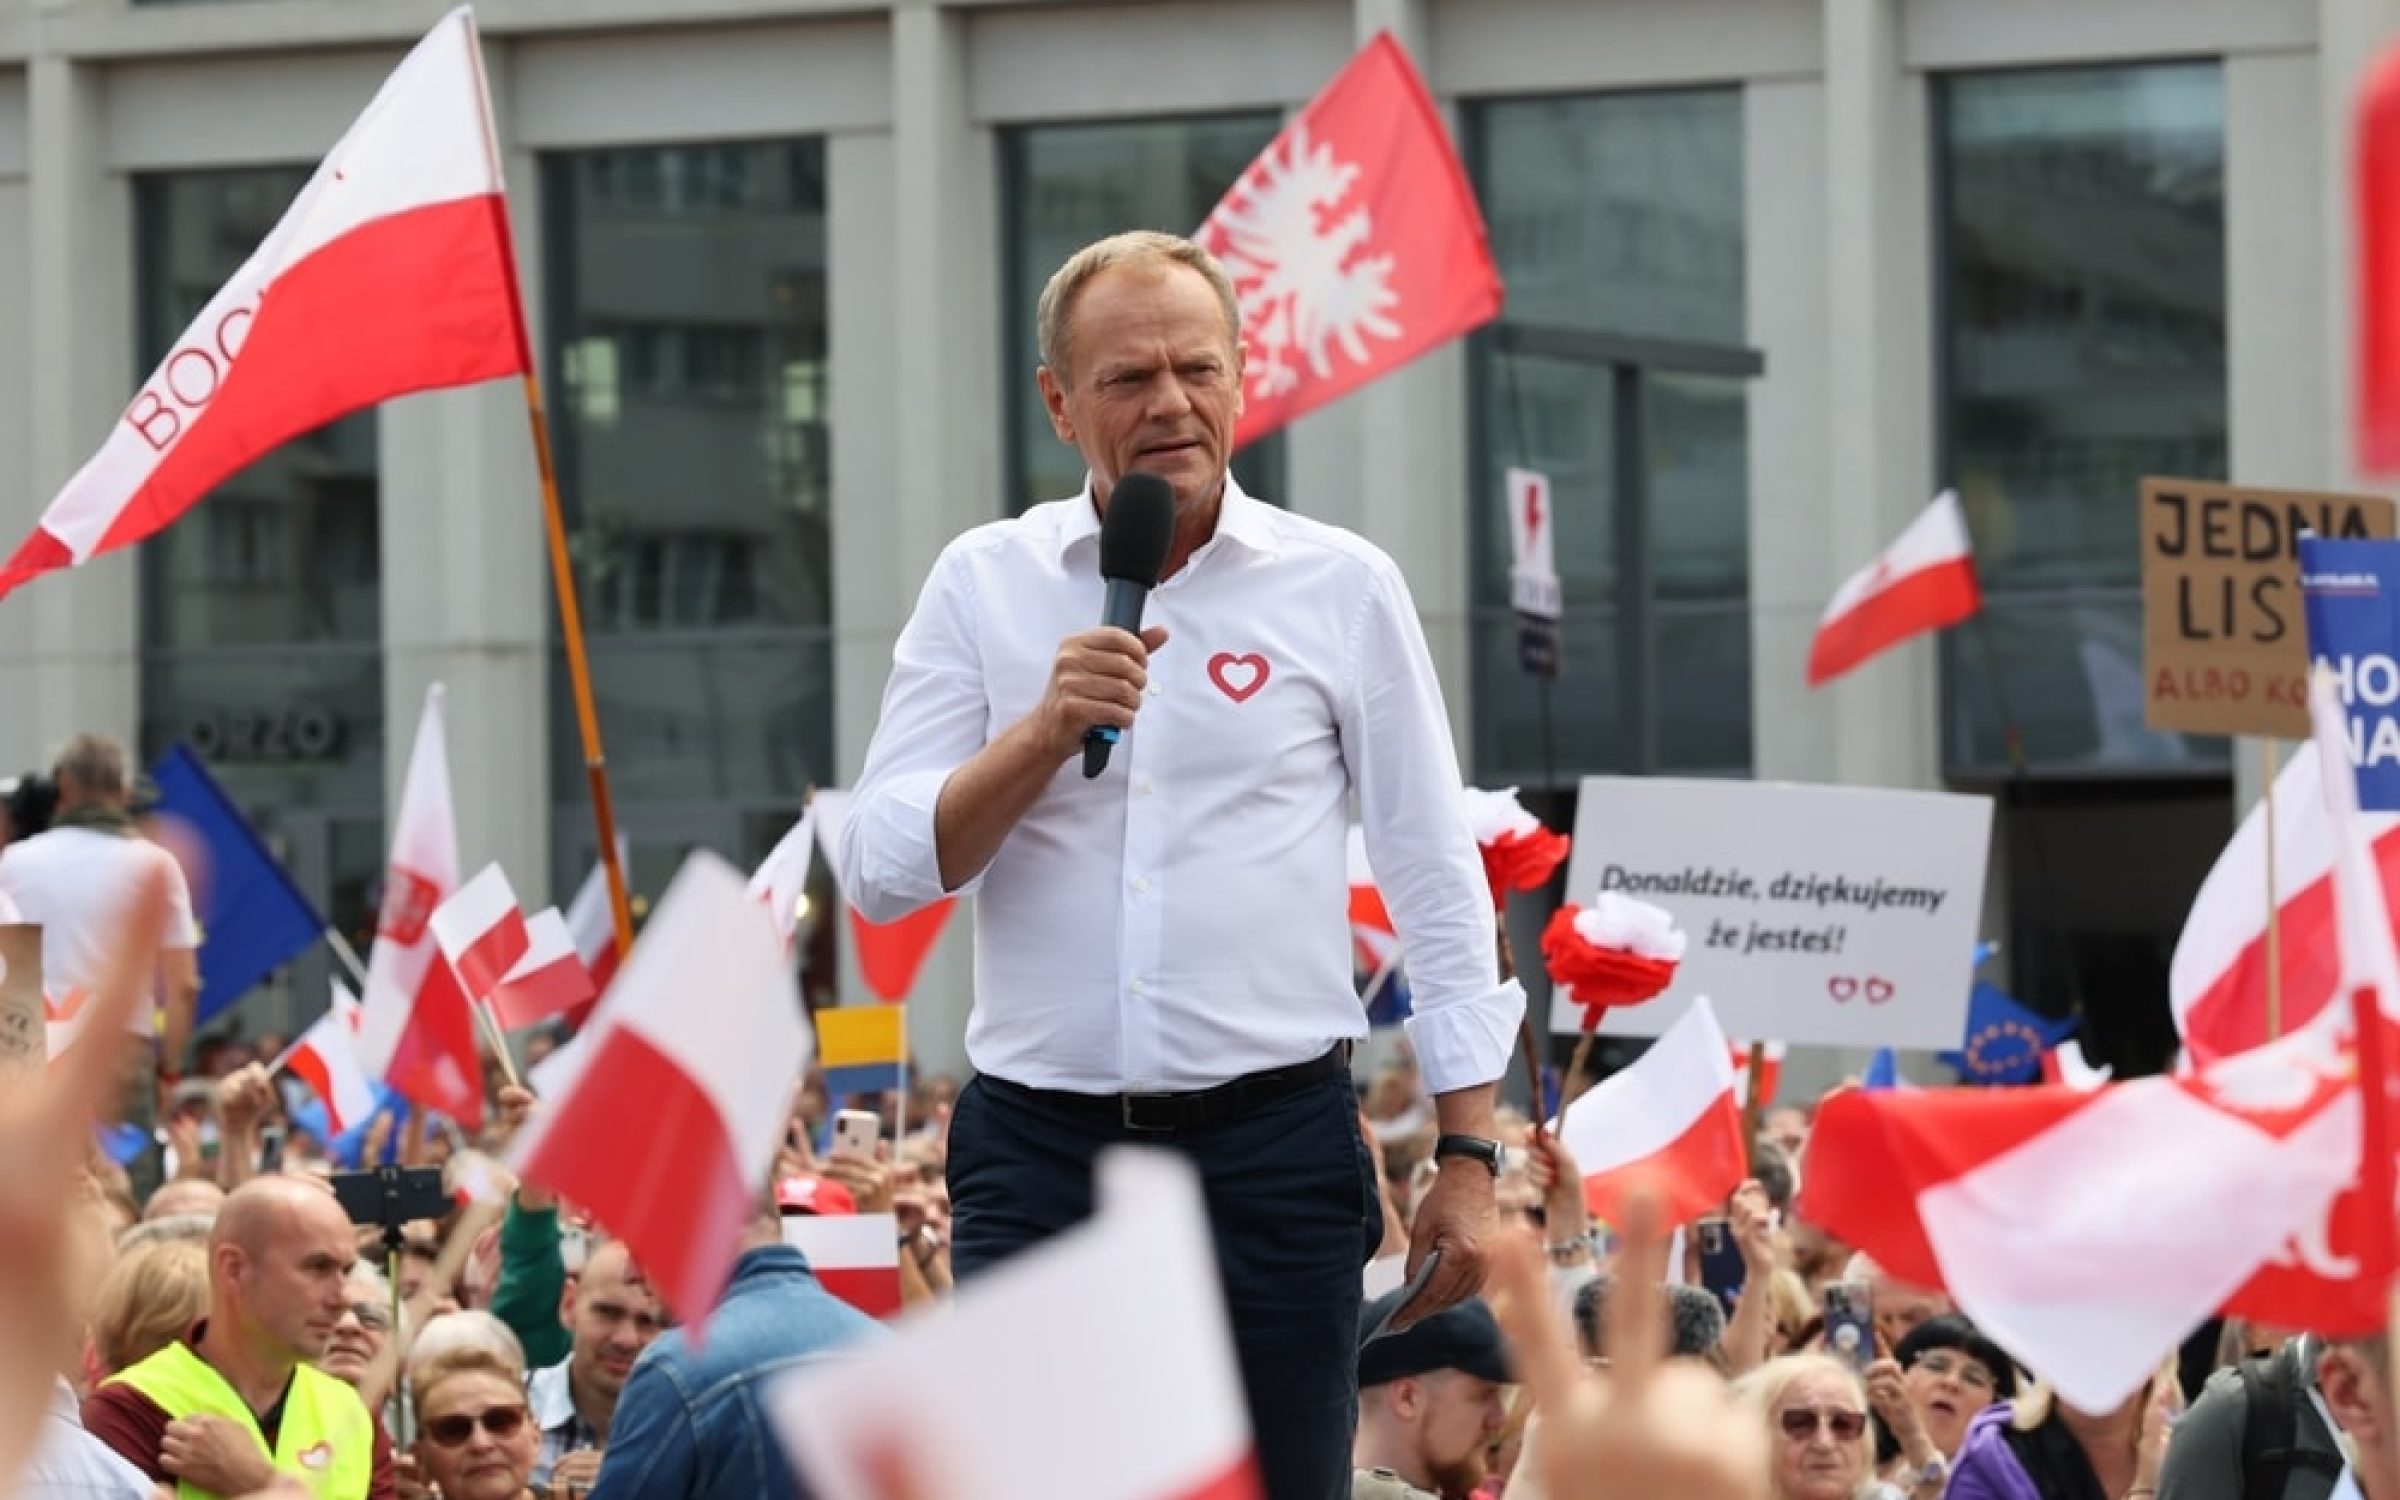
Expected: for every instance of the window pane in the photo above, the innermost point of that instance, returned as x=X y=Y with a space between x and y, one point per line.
x=688 y=344
x=1617 y=214
x=1068 y=185
x=2083 y=274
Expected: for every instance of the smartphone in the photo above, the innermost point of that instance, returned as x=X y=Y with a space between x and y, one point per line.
x=270 y=1151
x=574 y=1247
x=1722 y=1269
x=1850 y=1323
x=855 y=1133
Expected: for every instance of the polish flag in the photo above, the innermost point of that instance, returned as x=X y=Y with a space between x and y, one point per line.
x=1372 y=934
x=2217 y=980
x=2066 y=1064
x=1770 y=1072
x=326 y=1059
x=2089 y=1232
x=1354 y=243
x=416 y=1031
x=781 y=881
x=482 y=931
x=1144 y=1402
x=592 y=923
x=890 y=954
x=550 y=980
x=391 y=272
x=1669 y=1122
x=1924 y=581
x=854 y=1256
x=713 y=1083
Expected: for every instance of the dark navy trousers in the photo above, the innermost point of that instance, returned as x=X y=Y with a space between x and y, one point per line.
x=1292 y=1200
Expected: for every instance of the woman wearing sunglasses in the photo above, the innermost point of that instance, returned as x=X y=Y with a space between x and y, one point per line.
x=1816 y=1414
x=475 y=1438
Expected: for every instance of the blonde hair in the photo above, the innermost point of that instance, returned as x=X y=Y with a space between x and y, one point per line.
x=425 y=1378
x=1135 y=247
x=150 y=1298
x=457 y=1334
x=1764 y=1388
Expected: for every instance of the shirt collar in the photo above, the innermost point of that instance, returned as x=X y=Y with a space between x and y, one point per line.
x=550 y=1396
x=1244 y=519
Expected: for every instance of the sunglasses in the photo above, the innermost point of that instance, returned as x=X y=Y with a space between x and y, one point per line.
x=453 y=1431
x=1801 y=1423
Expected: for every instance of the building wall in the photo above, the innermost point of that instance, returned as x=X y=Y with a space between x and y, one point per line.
x=910 y=98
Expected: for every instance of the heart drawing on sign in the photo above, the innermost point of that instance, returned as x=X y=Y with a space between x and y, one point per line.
x=1238 y=677
x=1879 y=990
x=1842 y=988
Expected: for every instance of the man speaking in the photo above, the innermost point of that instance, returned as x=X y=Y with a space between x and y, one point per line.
x=1161 y=947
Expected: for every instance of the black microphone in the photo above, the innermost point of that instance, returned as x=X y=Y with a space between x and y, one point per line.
x=1135 y=532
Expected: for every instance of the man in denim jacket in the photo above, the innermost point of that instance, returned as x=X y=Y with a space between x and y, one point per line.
x=692 y=1423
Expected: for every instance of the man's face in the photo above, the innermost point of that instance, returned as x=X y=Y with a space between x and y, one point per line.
x=1788 y=1129
x=613 y=1315
x=1150 y=379
x=1899 y=1308
x=1460 y=1416
x=296 y=1288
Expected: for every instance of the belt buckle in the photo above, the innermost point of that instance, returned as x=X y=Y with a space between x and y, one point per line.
x=1129 y=1104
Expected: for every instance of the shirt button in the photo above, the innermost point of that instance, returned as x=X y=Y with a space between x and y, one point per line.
x=1138 y=988
x=1152 y=690
x=1141 y=885
x=1148 y=786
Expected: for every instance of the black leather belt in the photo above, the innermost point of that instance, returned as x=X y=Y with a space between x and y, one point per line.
x=1164 y=1114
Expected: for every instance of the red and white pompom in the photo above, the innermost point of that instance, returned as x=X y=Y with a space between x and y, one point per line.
x=1519 y=854
x=1615 y=952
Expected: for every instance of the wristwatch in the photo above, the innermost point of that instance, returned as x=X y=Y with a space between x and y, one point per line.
x=1936 y=1470
x=1474 y=1146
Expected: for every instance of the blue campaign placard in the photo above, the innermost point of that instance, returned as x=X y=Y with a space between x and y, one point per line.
x=2351 y=593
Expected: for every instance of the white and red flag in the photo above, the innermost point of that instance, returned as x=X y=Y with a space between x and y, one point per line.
x=549 y=980
x=390 y=273
x=713 y=1082
x=416 y=1030
x=780 y=882
x=2217 y=980
x=481 y=931
x=1139 y=1400
x=1923 y=581
x=1669 y=1123
x=890 y=954
x=592 y=924
x=326 y=1059
x=854 y=1256
x=1372 y=935
x=1354 y=243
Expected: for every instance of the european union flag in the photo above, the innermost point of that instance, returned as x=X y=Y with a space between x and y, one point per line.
x=1883 y=1072
x=1390 y=1004
x=2005 y=1041
x=253 y=920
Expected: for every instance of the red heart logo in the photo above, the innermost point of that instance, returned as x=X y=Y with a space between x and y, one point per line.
x=1878 y=991
x=1842 y=987
x=1251 y=670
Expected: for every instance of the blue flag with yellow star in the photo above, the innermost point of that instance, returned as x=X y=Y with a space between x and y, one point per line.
x=2005 y=1040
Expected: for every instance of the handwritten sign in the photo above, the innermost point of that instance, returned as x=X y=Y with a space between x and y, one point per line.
x=2224 y=644
x=1828 y=915
x=23 y=1033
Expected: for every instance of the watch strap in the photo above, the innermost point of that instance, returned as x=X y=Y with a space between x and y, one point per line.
x=1472 y=1146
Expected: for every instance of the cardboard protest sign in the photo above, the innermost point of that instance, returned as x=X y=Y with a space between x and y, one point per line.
x=2352 y=594
x=24 y=1034
x=1835 y=916
x=2222 y=635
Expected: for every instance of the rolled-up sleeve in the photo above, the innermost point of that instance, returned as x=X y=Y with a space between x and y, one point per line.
x=934 y=718
x=1396 y=738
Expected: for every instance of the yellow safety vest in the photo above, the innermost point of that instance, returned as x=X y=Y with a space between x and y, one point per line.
x=327 y=1440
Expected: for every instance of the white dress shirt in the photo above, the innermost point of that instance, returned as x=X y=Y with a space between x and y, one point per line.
x=1182 y=920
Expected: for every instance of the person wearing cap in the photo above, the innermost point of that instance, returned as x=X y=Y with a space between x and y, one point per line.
x=1430 y=1401
x=691 y=1422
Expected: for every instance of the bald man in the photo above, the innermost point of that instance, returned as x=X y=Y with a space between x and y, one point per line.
x=611 y=1314
x=225 y=1409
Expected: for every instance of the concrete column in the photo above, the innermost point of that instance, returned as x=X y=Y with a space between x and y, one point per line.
x=2279 y=221
x=934 y=403
x=72 y=661
x=466 y=585
x=1884 y=717
x=1390 y=461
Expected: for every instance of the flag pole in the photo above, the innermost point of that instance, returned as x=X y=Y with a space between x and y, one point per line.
x=2020 y=779
x=1754 y=1102
x=562 y=567
x=349 y=957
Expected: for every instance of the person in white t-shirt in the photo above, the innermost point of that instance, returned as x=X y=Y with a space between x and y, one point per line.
x=74 y=879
